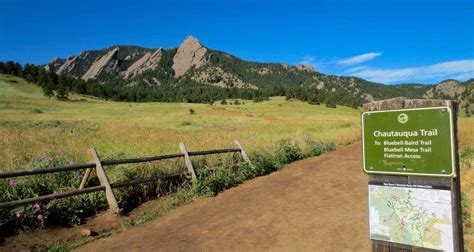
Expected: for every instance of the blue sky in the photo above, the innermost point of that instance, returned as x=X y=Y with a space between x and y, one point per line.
x=388 y=41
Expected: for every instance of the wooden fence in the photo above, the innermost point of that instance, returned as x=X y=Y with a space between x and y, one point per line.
x=98 y=165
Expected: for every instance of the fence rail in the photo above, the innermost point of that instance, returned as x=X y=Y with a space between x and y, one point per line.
x=98 y=164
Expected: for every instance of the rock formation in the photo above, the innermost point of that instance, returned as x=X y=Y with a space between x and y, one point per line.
x=106 y=62
x=190 y=54
x=148 y=61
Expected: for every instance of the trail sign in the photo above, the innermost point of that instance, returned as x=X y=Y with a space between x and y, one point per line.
x=409 y=142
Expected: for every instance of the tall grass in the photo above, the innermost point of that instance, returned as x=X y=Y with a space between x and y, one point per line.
x=214 y=176
x=154 y=128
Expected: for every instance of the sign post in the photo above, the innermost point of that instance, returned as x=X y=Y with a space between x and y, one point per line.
x=410 y=155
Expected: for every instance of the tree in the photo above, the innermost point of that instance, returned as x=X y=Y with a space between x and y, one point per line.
x=331 y=102
x=62 y=93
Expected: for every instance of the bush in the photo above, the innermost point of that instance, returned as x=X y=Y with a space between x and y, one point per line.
x=316 y=148
x=37 y=111
x=186 y=123
x=286 y=153
x=192 y=111
x=263 y=163
x=223 y=102
x=210 y=183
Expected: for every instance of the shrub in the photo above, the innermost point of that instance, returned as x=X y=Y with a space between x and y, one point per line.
x=223 y=102
x=263 y=163
x=210 y=183
x=286 y=153
x=192 y=111
x=186 y=123
x=316 y=148
x=37 y=111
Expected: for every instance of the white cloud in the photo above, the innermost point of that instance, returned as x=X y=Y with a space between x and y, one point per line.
x=460 y=69
x=355 y=69
x=358 y=59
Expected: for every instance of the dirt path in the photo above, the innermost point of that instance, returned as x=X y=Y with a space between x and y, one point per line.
x=318 y=204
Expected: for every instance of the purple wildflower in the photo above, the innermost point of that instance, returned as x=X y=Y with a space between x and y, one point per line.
x=37 y=207
x=18 y=215
x=40 y=217
x=306 y=138
x=55 y=193
x=79 y=175
x=13 y=183
x=47 y=158
x=70 y=162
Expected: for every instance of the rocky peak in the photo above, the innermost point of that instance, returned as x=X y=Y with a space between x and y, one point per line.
x=146 y=62
x=68 y=65
x=307 y=68
x=190 y=54
x=106 y=62
x=449 y=88
x=54 y=64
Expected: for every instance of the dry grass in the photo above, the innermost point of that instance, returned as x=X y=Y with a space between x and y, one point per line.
x=131 y=129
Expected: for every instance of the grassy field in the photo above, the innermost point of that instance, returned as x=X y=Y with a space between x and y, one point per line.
x=32 y=125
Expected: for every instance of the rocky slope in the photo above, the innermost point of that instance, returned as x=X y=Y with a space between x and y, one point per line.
x=447 y=88
x=193 y=63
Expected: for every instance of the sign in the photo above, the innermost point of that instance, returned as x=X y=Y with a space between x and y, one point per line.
x=409 y=142
x=414 y=215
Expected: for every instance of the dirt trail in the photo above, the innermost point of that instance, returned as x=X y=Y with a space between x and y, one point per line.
x=318 y=204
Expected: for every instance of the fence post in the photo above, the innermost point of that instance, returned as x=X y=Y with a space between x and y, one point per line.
x=242 y=152
x=104 y=181
x=87 y=173
x=187 y=161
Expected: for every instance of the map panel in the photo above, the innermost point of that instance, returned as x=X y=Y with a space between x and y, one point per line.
x=416 y=215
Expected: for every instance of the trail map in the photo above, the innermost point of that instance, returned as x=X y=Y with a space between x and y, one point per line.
x=411 y=214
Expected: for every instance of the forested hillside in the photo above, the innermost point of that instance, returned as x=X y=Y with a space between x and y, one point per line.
x=194 y=73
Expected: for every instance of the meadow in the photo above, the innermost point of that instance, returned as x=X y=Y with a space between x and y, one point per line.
x=33 y=126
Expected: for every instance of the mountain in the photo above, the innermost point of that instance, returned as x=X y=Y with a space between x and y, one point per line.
x=194 y=65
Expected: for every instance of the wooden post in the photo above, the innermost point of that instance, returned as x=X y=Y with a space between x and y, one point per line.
x=242 y=152
x=187 y=161
x=87 y=174
x=104 y=181
x=453 y=183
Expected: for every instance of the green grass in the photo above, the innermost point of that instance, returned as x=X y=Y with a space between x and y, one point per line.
x=138 y=129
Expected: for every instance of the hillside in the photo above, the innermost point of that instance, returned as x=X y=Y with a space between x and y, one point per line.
x=193 y=64
x=467 y=98
x=196 y=74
